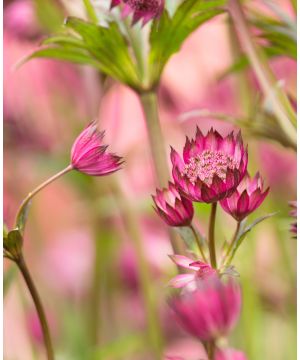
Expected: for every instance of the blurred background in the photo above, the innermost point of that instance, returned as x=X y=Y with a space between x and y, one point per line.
x=79 y=241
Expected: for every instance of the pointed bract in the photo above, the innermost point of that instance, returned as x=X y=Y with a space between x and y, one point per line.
x=89 y=156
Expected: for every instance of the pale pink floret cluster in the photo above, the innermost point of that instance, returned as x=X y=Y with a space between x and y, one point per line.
x=174 y=209
x=246 y=198
x=230 y=354
x=89 y=156
x=200 y=269
x=211 y=310
x=212 y=166
x=141 y=9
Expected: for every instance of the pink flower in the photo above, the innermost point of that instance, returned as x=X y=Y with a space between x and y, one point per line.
x=88 y=154
x=201 y=271
x=173 y=208
x=247 y=197
x=230 y=354
x=211 y=310
x=212 y=166
x=141 y=9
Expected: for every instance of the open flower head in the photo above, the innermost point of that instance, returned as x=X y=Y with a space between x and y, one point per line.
x=173 y=208
x=246 y=198
x=211 y=310
x=200 y=269
x=212 y=166
x=141 y=9
x=89 y=155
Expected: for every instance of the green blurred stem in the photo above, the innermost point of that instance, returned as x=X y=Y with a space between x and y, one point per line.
x=280 y=103
x=38 y=189
x=157 y=145
x=38 y=304
x=211 y=235
x=129 y=217
x=198 y=241
x=229 y=256
x=90 y=11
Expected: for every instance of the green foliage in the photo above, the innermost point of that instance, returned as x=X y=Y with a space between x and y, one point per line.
x=168 y=34
x=12 y=244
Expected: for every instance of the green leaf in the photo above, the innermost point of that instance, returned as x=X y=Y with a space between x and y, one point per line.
x=245 y=230
x=12 y=244
x=22 y=217
x=189 y=238
x=168 y=34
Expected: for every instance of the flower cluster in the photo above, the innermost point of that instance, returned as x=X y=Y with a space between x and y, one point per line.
x=141 y=9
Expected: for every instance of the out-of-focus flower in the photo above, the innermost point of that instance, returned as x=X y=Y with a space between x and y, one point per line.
x=88 y=154
x=141 y=9
x=293 y=213
x=173 y=208
x=211 y=310
x=230 y=354
x=34 y=326
x=20 y=19
x=212 y=166
x=201 y=269
x=248 y=197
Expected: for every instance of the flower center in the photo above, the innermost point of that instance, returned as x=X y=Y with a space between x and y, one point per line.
x=144 y=5
x=207 y=164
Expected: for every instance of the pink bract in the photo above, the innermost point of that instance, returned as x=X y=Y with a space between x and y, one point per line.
x=89 y=156
x=201 y=271
x=230 y=354
x=210 y=311
x=212 y=166
x=141 y=9
x=248 y=197
x=173 y=208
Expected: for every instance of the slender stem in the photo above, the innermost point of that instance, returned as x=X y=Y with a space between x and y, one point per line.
x=157 y=145
x=211 y=350
x=38 y=189
x=132 y=227
x=227 y=258
x=198 y=241
x=280 y=103
x=37 y=302
x=211 y=235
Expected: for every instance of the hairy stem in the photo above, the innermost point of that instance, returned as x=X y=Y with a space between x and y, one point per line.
x=38 y=189
x=157 y=145
x=211 y=235
x=38 y=305
x=198 y=241
x=280 y=103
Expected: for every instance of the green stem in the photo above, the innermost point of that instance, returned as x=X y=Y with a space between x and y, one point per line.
x=198 y=241
x=228 y=258
x=210 y=348
x=211 y=236
x=157 y=145
x=39 y=308
x=132 y=227
x=280 y=103
x=38 y=189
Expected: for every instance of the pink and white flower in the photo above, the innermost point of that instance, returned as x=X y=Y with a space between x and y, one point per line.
x=211 y=310
x=89 y=156
x=247 y=197
x=173 y=208
x=201 y=271
x=212 y=166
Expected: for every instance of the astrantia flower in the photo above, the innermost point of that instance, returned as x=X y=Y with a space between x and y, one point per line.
x=211 y=310
x=89 y=156
x=248 y=197
x=212 y=166
x=229 y=354
x=201 y=271
x=141 y=9
x=173 y=208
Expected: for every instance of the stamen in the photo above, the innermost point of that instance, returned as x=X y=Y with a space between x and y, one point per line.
x=204 y=166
